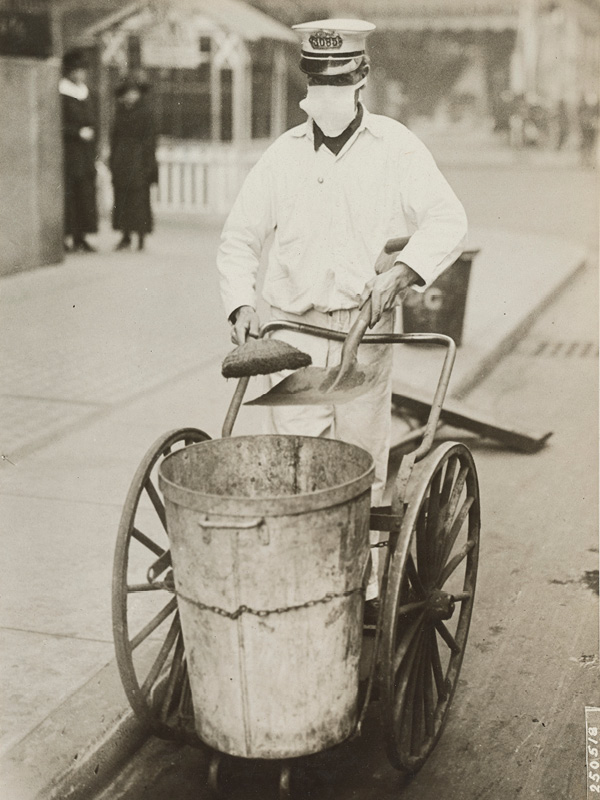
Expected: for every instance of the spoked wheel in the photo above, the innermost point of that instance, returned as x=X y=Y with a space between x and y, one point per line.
x=428 y=603
x=152 y=661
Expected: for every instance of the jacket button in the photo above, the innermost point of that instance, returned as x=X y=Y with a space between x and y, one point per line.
x=320 y=180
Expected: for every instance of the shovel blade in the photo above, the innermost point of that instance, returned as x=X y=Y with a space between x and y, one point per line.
x=310 y=386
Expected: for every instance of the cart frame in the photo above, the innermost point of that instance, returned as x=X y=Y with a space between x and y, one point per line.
x=433 y=526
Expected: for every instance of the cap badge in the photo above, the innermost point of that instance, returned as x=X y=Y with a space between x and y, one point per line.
x=325 y=40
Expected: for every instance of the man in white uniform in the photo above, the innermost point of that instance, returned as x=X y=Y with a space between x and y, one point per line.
x=332 y=191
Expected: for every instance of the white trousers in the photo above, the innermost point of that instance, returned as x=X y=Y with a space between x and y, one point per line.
x=364 y=421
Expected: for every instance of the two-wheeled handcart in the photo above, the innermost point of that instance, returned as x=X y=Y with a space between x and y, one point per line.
x=239 y=588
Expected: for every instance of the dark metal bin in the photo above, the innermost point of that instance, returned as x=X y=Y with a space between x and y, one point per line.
x=441 y=308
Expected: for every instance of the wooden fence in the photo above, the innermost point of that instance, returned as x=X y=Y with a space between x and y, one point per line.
x=202 y=179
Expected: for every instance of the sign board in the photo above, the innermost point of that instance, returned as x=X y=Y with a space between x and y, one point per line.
x=25 y=28
x=172 y=45
x=180 y=55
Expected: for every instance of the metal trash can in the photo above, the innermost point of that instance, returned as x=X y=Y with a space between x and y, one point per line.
x=270 y=544
x=441 y=308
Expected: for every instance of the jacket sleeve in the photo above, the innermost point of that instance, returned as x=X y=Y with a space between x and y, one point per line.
x=71 y=125
x=151 y=151
x=436 y=216
x=112 y=145
x=248 y=225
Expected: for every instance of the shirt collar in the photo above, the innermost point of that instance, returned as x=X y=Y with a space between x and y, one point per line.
x=336 y=143
x=370 y=122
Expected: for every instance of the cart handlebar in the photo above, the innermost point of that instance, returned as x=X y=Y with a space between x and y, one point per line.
x=370 y=338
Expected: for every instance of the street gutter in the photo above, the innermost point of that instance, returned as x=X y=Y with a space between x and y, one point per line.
x=81 y=744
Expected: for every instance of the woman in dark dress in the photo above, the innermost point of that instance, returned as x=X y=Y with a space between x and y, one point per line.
x=79 y=153
x=132 y=163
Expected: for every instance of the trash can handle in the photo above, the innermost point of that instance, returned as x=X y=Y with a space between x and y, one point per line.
x=242 y=526
x=247 y=525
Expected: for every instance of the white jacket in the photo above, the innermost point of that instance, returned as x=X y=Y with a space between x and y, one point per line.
x=331 y=216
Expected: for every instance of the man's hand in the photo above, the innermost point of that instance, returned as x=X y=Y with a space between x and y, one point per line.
x=245 y=323
x=392 y=281
x=87 y=133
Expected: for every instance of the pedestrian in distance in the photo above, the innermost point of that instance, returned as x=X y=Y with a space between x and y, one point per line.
x=588 y=113
x=562 y=124
x=331 y=192
x=517 y=119
x=132 y=162
x=79 y=153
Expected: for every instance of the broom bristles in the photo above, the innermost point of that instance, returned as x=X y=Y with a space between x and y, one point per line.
x=262 y=357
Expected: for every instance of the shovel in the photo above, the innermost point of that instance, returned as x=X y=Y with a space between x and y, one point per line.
x=348 y=380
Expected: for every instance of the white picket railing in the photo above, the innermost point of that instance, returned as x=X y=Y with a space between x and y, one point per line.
x=202 y=179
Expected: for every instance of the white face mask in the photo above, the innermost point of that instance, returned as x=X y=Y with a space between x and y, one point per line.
x=332 y=107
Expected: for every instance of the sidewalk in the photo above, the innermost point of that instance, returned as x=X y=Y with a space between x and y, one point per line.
x=101 y=355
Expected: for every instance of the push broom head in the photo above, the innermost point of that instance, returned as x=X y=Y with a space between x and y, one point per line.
x=262 y=357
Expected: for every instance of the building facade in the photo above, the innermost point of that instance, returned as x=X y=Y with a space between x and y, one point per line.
x=220 y=87
x=31 y=164
x=462 y=59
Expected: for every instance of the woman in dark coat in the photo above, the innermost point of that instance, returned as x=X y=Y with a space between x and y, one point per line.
x=79 y=152
x=132 y=163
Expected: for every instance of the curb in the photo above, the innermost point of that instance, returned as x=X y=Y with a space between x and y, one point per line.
x=489 y=361
x=61 y=747
x=545 y=266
